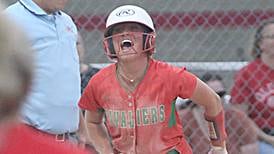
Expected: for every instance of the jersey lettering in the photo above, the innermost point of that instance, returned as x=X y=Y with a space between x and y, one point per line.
x=142 y=117
x=123 y=119
x=162 y=113
x=116 y=118
x=145 y=116
x=138 y=114
x=154 y=117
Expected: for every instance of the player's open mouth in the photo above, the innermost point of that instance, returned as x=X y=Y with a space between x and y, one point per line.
x=125 y=44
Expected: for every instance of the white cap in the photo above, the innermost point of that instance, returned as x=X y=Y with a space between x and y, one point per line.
x=129 y=13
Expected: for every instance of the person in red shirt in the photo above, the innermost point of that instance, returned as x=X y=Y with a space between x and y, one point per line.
x=16 y=69
x=238 y=125
x=253 y=90
x=137 y=94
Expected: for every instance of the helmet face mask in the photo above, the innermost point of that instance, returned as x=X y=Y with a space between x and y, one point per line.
x=128 y=14
x=128 y=43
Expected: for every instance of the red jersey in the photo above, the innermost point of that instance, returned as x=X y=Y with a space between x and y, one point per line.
x=144 y=121
x=21 y=139
x=254 y=84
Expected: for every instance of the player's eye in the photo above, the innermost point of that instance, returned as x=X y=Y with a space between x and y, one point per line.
x=117 y=30
x=136 y=28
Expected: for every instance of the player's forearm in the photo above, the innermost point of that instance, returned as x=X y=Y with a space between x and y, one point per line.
x=99 y=137
x=82 y=131
x=214 y=107
x=214 y=114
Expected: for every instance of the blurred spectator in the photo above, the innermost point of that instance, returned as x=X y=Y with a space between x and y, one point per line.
x=16 y=69
x=238 y=126
x=253 y=90
x=56 y=89
x=87 y=71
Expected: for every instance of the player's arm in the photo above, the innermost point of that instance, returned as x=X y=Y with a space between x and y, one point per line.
x=97 y=131
x=214 y=114
x=82 y=132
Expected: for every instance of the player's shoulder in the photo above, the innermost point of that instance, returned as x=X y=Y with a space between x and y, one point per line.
x=104 y=74
x=168 y=70
x=159 y=64
x=164 y=67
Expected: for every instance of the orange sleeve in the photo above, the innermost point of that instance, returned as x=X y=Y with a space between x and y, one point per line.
x=187 y=84
x=88 y=100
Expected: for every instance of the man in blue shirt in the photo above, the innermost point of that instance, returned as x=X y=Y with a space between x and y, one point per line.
x=51 y=106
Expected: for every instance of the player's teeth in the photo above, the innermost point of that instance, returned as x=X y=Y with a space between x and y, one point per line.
x=126 y=43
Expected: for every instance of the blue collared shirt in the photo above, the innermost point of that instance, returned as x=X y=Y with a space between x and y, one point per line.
x=52 y=103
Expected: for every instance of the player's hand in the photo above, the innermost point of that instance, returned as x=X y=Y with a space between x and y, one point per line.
x=217 y=150
x=82 y=138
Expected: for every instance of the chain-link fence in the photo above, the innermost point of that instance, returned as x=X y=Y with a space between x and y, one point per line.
x=212 y=35
x=187 y=30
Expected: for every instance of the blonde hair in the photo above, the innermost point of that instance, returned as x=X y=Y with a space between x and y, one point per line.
x=15 y=67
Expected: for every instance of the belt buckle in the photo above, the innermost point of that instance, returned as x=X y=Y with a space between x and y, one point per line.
x=60 y=137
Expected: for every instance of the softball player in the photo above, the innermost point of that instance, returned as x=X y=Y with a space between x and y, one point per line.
x=137 y=93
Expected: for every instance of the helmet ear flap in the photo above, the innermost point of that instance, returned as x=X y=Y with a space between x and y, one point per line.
x=149 y=43
x=105 y=45
x=109 y=48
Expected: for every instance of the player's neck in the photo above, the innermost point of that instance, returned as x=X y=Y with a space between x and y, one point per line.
x=130 y=74
x=134 y=68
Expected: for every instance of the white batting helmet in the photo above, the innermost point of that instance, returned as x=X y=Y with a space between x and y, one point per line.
x=129 y=13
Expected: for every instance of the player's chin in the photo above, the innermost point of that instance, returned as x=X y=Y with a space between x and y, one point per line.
x=128 y=56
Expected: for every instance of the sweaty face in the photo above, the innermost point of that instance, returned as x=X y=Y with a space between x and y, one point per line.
x=267 y=42
x=127 y=39
x=51 y=6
